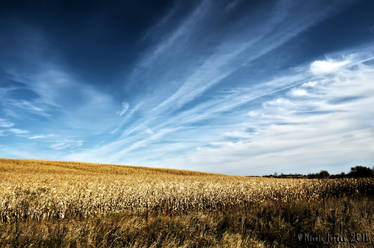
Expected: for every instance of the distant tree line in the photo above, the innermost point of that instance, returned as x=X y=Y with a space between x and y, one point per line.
x=356 y=172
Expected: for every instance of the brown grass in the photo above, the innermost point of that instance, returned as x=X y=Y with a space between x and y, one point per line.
x=65 y=204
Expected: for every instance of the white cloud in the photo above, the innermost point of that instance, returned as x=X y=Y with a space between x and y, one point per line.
x=17 y=131
x=327 y=66
x=67 y=144
x=8 y=128
x=173 y=131
x=149 y=131
x=309 y=84
x=5 y=124
x=329 y=129
x=297 y=92
x=298 y=135
x=247 y=47
x=29 y=106
x=78 y=112
x=294 y=134
x=42 y=136
x=127 y=117
x=253 y=114
x=125 y=107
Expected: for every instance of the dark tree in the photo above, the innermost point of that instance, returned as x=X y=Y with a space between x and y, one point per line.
x=324 y=174
x=361 y=171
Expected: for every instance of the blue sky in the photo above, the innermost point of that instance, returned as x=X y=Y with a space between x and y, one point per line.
x=236 y=87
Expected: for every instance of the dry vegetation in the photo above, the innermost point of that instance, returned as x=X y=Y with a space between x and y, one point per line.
x=54 y=204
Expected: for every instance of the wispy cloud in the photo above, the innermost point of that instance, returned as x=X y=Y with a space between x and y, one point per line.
x=302 y=132
x=213 y=89
x=5 y=124
x=312 y=122
x=67 y=144
x=183 y=112
x=46 y=136
x=327 y=66
x=28 y=106
x=17 y=131
x=230 y=54
x=125 y=107
x=8 y=128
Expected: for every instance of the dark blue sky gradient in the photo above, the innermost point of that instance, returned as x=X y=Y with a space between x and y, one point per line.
x=238 y=87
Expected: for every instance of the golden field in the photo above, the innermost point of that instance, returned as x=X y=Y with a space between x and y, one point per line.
x=66 y=204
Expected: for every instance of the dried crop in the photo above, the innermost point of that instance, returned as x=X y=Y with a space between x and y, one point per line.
x=44 y=190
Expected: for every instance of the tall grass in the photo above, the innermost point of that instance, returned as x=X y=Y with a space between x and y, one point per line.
x=50 y=203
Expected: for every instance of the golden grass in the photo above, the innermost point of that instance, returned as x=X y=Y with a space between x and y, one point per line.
x=49 y=191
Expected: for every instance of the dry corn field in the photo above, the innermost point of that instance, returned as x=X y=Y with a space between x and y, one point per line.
x=32 y=190
x=44 y=190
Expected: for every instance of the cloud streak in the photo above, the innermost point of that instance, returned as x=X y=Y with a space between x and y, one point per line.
x=326 y=125
x=224 y=87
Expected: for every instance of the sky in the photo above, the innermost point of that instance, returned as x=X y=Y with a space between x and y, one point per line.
x=236 y=87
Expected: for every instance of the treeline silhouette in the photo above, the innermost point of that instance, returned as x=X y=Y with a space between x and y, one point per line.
x=356 y=172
